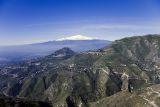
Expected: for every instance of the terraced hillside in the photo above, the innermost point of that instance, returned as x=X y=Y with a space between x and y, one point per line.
x=93 y=78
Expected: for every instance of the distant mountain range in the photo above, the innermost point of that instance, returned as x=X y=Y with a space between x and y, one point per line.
x=77 y=43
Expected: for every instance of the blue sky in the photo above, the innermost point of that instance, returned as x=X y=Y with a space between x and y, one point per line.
x=30 y=21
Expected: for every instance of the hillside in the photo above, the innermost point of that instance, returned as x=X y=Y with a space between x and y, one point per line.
x=19 y=102
x=90 y=78
x=147 y=97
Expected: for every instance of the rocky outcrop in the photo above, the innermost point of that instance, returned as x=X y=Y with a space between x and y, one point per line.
x=125 y=84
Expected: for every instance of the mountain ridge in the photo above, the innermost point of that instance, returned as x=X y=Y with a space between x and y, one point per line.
x=88 y=77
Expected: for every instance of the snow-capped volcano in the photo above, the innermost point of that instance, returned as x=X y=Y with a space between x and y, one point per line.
x=76 y=37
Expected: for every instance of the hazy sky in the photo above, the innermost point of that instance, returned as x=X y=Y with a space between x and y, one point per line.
x=29 y=21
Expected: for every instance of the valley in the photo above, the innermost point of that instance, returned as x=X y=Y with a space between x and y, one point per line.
x=97 y=78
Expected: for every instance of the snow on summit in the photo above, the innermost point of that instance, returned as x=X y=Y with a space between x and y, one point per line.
x=76 y=37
